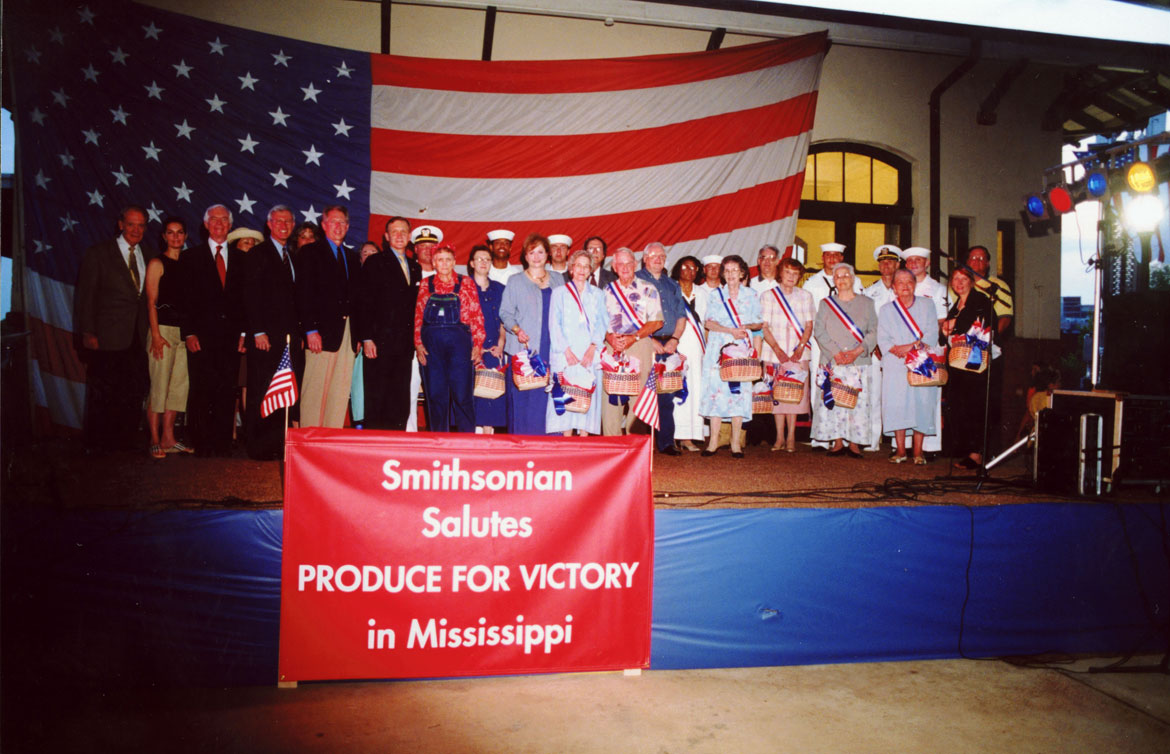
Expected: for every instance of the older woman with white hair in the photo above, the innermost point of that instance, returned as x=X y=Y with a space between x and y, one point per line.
x=907 y=321
x=576 y=328
x=846 y=330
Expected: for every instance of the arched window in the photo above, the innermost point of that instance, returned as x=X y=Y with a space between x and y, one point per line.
x=857 y=195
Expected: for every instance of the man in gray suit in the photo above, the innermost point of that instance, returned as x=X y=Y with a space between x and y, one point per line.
x=111 y=319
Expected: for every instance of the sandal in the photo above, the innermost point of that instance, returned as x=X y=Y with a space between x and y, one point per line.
x=179 y=447
x=899 y=459
x=156 y=452
x=919 y=461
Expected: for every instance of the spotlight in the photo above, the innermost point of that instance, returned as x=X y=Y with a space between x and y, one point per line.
x=1036 y=206
x=1097 y=182
x=1143 y=213
x=1059 y=199
x=1140 y=177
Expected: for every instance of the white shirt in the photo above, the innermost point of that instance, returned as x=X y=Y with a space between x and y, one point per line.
x=762 y=286
x=124 y=247
x=501 y=275
x=936 y=292
x=880 y=294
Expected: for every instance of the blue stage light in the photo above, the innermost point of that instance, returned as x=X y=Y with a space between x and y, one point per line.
x=1097 y=183
x=1036 y=206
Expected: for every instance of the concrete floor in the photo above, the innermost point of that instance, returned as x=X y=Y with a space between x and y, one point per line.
x=952 y=706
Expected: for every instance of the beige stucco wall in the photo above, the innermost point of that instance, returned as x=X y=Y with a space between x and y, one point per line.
x=874 y=96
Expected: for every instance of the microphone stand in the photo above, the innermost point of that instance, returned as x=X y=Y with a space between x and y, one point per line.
x=983 y=465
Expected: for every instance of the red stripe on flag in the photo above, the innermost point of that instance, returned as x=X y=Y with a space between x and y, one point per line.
x=470 y=156
x=546 y=77
x=758 y=205
x=53 y=350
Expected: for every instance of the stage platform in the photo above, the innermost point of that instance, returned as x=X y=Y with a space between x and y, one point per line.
x=139 y=571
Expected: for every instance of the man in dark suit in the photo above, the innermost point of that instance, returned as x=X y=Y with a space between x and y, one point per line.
x=326 y=273
x=270 y=318
x=600 y=276
x=209 y=324
x=387 y=289
x=111 y=318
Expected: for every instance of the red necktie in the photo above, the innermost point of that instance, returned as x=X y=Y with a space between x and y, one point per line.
x=220 y=265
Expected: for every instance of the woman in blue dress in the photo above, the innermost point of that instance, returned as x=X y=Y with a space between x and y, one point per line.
x=577 y=334
x=524 y=312
x=489 y=412
x=733 y=312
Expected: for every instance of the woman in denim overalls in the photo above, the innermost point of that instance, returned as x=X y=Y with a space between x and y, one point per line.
x=448 y=337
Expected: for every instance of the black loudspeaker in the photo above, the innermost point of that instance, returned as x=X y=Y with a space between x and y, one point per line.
x=1056 y=450
x=1145 y=441
x=1137 y=343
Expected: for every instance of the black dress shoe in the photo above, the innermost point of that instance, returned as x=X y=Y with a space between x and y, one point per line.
x=737 y=454
x=671 y=451
x=854 y=453
x=708 y=453
x=838 y=452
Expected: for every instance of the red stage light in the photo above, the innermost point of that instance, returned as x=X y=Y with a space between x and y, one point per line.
x=1060 y=199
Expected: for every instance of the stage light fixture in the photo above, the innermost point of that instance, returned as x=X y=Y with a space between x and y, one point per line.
x=1097 y=182
x=1059 y=199
x=1140 y=177
x=1036 y=206
x=1143 y=213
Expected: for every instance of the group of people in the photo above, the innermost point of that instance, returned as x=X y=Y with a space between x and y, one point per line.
x=561 y=321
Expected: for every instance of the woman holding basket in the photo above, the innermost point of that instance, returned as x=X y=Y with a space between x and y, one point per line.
x=966 y=392
x=846 y=331
x=907 y=323
x=577 y=334
x=788 y=326
x=489 y=412
x=524 y=313
x=733 y=312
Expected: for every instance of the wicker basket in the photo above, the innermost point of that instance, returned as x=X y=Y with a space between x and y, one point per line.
x=489 y=383
x=621 y=383
x=845 y=396
x=581 y=398
x=741 y=370
x=958 y=355
x=528 y=382
x=939 y=378
x=761 y=403
x=670 y=382
x=785 y=391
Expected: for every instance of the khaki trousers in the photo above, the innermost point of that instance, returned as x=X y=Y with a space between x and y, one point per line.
x=325 y=393
x=613 y=418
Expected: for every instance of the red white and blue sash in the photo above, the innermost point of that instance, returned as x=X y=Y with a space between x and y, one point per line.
x=845 y=319
x=729 y=307
x=789 y=312
x=577 y=298
x=904 y=313
x=696 y=329
x=626 y=307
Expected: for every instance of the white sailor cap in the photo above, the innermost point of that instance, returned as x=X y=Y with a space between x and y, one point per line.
x=832 y=247
x=916 y=251
x=496 y=235
x=887 y=251
x=561 y=239
x=712 y=259
x=426 y=234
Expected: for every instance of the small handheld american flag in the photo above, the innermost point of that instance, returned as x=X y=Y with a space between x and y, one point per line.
x=646 y=408
x=282 y=391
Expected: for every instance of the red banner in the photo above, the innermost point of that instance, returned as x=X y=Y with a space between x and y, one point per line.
x=425 y=555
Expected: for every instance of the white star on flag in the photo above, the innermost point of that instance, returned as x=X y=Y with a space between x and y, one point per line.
x=119 y=56
x=182 y=69
x=95 y=197
x=341 y=128
x=217 y=47
x=152 y=152
x=85 y=15
x=279 y=117
x=61 y=98
x=182 y=193
x=343 y=190
x=91 y=137
x=67 y=223
x=184 y=129
x=216 y=104
x=42 y=181
x=56 y=35
x=38 y=117
x=215 y=166
x=343 y=70
x=247 y=82
x=66 y=159
x=120 y=115
x=152 y=31
x=121 y=177
x=90 y=73
x=155 y=213
x=311 y=215
x=245 y=203
x=312 y=155
x=40 y=248
x=280 y=178
x=311 y=92
x=247 y=144
x=154 y=90
x=34 y=55
x=281 y=58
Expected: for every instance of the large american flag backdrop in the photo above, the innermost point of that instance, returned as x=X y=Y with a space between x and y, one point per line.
x=118 y=103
